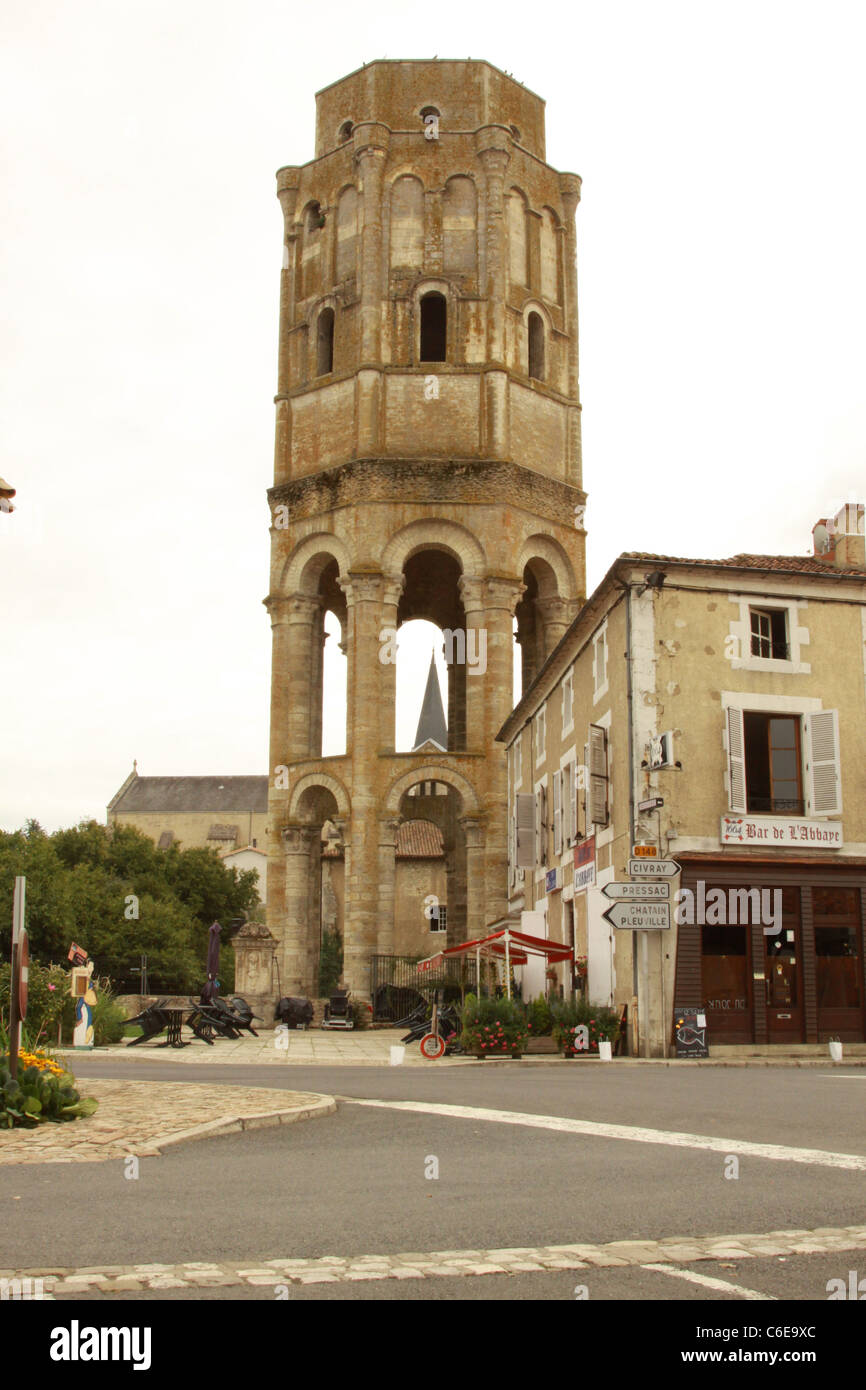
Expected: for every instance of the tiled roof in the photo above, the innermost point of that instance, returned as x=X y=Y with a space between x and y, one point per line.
x=419 y=839
x=798 y=564
x=191 y=794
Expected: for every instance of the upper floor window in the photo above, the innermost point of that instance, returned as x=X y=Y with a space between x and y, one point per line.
x=599 y=776
x=434 y=326
x=568 y=702
x=325 y=343
x=599 y=664
x=315 y=218
x=439 y=918
x=535 y=328
x=784 y=764
x=346 y=132
x=541 y=735
x=769 y=633
x=773 y=766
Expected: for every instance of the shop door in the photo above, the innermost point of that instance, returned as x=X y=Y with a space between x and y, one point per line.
x=726 y=984
x=783 y=980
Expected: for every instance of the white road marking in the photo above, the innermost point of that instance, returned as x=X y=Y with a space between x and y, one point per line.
x=831 y=1076
x=706 y=1282
x=821 y=1158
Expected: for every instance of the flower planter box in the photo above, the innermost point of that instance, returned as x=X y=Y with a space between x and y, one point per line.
x=491 y=1052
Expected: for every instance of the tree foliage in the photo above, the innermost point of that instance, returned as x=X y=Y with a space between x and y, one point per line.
x=86 y=883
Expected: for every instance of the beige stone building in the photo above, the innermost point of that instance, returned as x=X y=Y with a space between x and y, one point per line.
x=427 y=465
x=734 y=692
x=221 y=813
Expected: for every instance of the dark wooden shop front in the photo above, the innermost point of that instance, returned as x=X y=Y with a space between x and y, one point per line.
x=805 y=983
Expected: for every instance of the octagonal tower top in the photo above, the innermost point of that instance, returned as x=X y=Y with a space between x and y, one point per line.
x=466 y=93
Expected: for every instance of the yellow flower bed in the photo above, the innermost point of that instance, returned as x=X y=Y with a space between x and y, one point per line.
x=41 y=1062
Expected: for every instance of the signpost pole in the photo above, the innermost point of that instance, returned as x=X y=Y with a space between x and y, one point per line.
x=508 y=963
x=14 y=1020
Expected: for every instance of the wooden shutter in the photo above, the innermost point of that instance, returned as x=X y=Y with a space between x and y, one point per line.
x=557 y=812
x=524 y=819
x=823 y=775
x=574 y=790
x=566 y=803
x=541 y=826
x=736 y=761
x=598 y=798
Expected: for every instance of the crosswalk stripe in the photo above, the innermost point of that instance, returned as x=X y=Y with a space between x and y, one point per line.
x=782 y=1153
x=721 y=1285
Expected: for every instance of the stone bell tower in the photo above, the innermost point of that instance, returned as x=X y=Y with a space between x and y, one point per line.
x=427 y=466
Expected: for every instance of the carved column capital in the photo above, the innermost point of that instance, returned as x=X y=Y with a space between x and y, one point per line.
x=365 y=586
x=501 y=591
x=473 y=829
x=297 y=839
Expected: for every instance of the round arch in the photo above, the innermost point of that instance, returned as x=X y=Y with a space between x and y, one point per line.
x=319 y=779
x=449 y=536
x=547 y=549
x=431 y=773
x=299 y=576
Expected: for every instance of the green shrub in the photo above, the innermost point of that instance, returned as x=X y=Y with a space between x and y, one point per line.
x=601 y=1022
x=109 y=1017
x=493 y=1025
x=330 y=963
x=540 y=1019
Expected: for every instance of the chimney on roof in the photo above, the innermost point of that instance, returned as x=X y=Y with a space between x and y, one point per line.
x=842 y=539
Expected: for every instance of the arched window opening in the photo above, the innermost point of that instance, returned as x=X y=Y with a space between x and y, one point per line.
x=516 y=665
x=325 y=343
x=535 y=327
x=315 y=218
x=515 y=133
x=346 y=132
x=429 y=111
x=335 y=667
x=434 y=326
x=422 y=688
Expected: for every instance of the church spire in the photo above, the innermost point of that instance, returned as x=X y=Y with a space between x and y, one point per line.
x=431 y=722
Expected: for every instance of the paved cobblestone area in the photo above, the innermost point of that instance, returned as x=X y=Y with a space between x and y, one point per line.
x=143 y=1117
x=367 y=1047
x=442 y=1264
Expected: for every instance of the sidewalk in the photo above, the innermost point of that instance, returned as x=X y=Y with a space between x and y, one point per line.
x=319 y=1047
x=144 y=1117
x=372 y=1048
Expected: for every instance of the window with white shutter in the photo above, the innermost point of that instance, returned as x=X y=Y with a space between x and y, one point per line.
x=524 y=817
x=557 y=812
x=823 y=773
x=575 y=788
x=736 y=761
x=598 y=775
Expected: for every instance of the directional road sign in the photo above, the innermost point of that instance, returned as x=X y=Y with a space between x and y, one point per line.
x=652 y=804
x=640 y=892
x=640 y=916
x=653 y=868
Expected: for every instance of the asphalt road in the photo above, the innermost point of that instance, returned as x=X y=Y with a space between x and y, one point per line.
x=355 y=1183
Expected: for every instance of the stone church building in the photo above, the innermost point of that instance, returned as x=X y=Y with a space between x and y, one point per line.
x=427 y=465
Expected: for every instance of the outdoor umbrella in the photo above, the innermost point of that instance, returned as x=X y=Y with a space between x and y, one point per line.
x=211 y=989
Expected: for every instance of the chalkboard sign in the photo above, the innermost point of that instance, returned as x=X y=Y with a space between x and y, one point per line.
x=690 y=1027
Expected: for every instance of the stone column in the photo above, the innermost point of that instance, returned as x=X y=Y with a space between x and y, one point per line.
x=555 y=614
x=287 y=192
x=474 y=684
x=501 y=595
x=305 y=612
x=387 y=884
x=492 y=146
x=569 y=185
x=366 y=684
x=478 y=912
x=371 y=146
x=391 y=591
x=294 y=938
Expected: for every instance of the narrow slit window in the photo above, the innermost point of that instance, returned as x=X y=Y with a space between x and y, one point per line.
x=434 y=324
x=536 y=346
x=325 y=343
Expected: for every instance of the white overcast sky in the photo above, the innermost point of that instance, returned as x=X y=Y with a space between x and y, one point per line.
x=722 y=284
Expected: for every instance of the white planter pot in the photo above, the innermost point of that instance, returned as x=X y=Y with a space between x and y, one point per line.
x=397 y=1055
x=604 y=1051
x=836 y=1051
